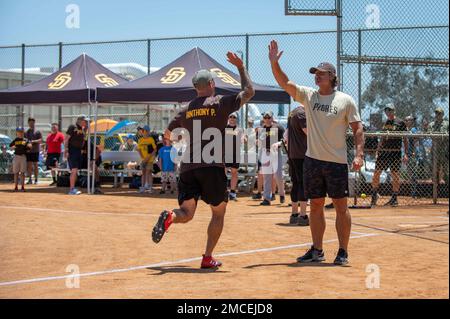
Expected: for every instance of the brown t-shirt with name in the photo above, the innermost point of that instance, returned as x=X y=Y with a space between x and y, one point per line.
x=205 y=116
x=297 y=139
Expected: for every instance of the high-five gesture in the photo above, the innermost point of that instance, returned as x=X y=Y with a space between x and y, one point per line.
x=274 y=53
x=280 y=76
x=235 y=60
x=246 y=84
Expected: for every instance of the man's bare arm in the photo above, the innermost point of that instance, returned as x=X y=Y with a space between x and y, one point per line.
x=248 y=92
x=246 y=84
x=358 y=133
x=281 y=77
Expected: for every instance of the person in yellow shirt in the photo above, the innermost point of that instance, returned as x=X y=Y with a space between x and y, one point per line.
x=147 y=150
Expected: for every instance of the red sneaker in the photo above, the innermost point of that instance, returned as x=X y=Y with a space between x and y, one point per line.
x=209 y=262
x=162 y=226
x=16 y=189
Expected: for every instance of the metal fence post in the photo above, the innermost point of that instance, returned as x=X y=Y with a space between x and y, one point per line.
x=247 y=61
x=436 y=177
x=59 y=68
x=20 y=109
x=339 y=41
x=359 y=71
x=149 y=61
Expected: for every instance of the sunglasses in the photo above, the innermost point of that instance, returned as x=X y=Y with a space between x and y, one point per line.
x=267 y=117
x=232 y=117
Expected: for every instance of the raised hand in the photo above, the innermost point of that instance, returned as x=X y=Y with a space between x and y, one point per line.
x=274 y=53
x=235 y=60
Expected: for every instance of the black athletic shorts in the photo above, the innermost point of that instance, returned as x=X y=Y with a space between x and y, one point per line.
x=52 y=160
x=207 y=183
x=75 y=158
x=296 y=173
x=32 y=157
x=321 y=178
x=389 y=160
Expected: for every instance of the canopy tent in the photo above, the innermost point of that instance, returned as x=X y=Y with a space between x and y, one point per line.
x=173 y=83
x=75 y=83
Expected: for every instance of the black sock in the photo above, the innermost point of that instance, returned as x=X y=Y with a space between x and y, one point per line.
x=394 y=195
x=54 y=179
x=375 y=191
x=232 y=191
x=295 y=215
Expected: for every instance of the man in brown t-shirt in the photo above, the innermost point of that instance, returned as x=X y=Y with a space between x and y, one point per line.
x=202 y=173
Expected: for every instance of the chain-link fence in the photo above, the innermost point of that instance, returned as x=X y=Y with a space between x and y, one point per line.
x=384 y=58
x=378 y=67
x=401 y=169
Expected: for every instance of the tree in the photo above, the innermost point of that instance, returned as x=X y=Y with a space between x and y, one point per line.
x=414 y=90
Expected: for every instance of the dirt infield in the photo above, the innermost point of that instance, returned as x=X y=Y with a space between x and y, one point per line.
x=107 y=237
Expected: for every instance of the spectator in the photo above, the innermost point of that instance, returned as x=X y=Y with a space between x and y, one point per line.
x=389 y=156
x=440 y=147
x=297 y=145
x=233 y=162
x=53 y=150
x=147 y=151
x=20 y=147
x=139 y=133
x=252 y=137
x=129 y=146
x=35 y=138
x=167 y=166
x=6 y=160
x=271 y=159
x=73 y=145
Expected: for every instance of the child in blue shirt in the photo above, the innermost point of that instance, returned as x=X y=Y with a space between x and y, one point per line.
x=167 y=166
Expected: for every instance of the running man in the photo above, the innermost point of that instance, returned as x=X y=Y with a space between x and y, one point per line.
x=200 y=178
x=328 y=115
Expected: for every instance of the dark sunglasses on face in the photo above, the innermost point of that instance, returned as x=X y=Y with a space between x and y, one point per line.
x=267 y=118
x=232 y=117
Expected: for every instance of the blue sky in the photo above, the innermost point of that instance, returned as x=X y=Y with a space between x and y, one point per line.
x=35 y=22
x=43 y=21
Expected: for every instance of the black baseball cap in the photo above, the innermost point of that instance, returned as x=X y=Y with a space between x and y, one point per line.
x=324 y=67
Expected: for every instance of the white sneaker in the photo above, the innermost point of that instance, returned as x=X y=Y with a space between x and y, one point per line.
x=141 y=190
x=74 y=192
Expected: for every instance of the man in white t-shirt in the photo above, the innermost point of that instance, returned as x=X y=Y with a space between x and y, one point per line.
x=329 y=113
